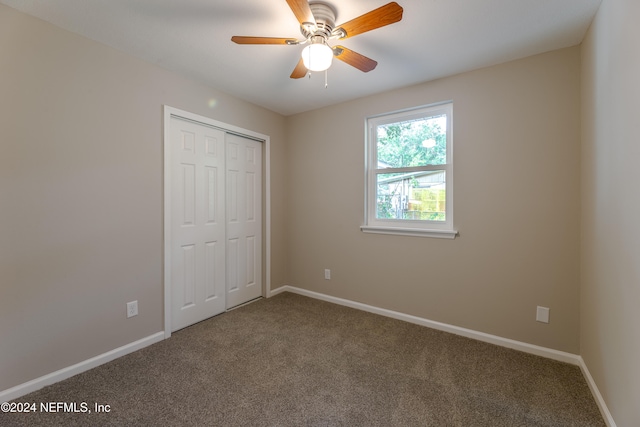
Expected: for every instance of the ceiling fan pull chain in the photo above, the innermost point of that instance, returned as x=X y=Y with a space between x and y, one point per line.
x=326 y=73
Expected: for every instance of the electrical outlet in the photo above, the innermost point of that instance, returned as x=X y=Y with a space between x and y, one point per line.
x=542 y=314
x=132 y=309
x=327 y=274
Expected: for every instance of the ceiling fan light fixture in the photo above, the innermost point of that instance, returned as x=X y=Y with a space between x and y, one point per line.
x=317 y=56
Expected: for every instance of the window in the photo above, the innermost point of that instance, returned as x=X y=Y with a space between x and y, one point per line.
x=409 y=167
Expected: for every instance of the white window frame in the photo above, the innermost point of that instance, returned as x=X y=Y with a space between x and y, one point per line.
x=423 y=228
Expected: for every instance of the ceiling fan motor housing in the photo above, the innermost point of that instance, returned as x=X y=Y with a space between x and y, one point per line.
x=325 y=17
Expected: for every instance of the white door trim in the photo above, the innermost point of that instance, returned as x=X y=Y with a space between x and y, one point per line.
x=185 y=115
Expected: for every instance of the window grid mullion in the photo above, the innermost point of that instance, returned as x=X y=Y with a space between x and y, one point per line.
x=411 y=169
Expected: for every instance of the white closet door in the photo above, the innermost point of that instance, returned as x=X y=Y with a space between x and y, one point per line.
x=244 y=219
x=197 y=223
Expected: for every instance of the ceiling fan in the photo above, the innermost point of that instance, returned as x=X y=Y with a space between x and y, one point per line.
x=317 y=25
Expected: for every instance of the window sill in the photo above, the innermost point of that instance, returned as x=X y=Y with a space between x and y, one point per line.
x=400 y=231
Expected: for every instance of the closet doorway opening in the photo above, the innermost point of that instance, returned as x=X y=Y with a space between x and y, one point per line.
x=216 y=217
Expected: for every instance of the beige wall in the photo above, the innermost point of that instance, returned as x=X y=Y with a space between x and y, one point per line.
x=81 y=193
x=610 y=292
x=516 y=166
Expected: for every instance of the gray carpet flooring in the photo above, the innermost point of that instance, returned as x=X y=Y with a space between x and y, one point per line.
x=295 y=361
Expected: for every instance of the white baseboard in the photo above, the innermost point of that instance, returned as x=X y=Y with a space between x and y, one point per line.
x=281 y=289
x=63 y=374
x=549 y=353
x=604 y=410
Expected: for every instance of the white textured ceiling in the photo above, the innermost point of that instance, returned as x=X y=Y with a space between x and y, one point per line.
x=435 y=38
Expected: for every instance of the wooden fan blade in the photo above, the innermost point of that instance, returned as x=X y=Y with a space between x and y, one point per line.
x=301 y=9
x=300 y=71
x=384 y=15
x=354 y=59
x=261 y=40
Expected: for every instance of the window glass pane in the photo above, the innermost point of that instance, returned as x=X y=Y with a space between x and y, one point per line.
x=411 y=196
x=409 y=143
